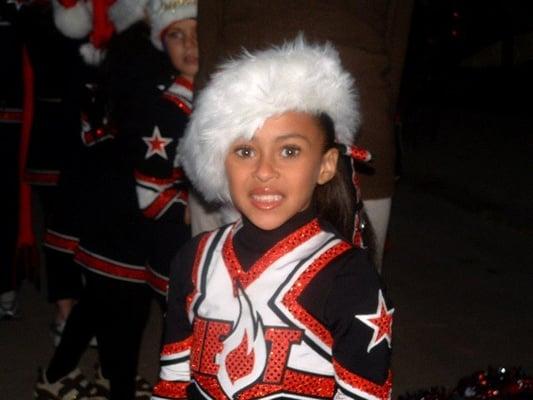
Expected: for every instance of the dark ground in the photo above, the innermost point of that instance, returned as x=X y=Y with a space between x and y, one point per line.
x=459 y=261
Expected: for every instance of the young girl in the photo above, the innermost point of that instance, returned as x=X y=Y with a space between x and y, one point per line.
x=134 y=219
x=279 y=304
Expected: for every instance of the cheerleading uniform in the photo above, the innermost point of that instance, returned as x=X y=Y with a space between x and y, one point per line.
x=133 y=235
x=296 y=312
x=122 y=246
x=54 y=147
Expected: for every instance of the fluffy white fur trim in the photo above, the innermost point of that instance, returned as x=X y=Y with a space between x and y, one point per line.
x=92 y=55
x=296 y=76
x=74 y=22
x=162 y=13
x=124 y=13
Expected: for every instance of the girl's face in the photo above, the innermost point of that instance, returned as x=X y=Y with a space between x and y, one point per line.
x=182 y=47
x=272 y=176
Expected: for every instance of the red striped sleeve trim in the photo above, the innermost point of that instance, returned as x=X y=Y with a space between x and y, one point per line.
x=109 y=267
x=177 y=347
x=171 y=390
x=67 y=244
x=158 y=283
x=382 y=392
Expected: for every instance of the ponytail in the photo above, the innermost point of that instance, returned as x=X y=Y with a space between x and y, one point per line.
x=337 y=201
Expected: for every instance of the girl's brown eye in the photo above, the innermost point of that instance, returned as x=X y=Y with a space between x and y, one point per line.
x=244 y=152
x=175 y=35
x=290 y=151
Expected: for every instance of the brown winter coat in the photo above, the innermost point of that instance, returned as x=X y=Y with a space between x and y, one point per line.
x=370 y=35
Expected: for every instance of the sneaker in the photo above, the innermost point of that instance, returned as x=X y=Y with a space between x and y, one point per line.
x=143 y=389
x=101 y=383
x=73 y=386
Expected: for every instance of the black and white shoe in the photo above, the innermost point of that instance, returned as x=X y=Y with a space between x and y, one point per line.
x=73 y=386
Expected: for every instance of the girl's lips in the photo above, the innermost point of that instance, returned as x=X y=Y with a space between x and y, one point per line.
x=266 y=200
x=191 y=59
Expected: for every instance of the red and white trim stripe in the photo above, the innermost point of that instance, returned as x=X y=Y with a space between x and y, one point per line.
x=175 y=374
x=60 y=242
x=361 y=387
x=157 y=281
x=111 y=268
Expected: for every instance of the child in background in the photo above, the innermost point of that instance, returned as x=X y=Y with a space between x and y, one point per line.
x=134 y=219
x=279 y=304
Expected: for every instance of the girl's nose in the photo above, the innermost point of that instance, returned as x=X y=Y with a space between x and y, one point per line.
x=190 y=41
x=265 y=169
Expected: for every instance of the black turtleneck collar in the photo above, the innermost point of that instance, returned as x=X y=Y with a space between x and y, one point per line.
x=251 y=242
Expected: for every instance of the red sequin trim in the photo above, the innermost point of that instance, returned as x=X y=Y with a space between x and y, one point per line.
x=211 y=386
x=177 y=347
x=294 y=382
x=380 y=391
x=283 y=247
x=290 y=300
x=196 y=266
x=173 y=390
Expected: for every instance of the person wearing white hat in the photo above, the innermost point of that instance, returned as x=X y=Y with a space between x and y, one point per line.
x=280 y=304
x=127 y=243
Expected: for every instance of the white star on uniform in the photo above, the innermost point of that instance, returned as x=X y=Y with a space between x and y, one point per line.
x=156 y=144
x=380 y=322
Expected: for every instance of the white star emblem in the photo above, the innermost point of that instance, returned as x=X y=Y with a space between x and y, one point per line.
x=380 y=322
x=156 y=144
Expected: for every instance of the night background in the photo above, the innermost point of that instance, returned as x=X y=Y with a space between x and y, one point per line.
x=459 y=256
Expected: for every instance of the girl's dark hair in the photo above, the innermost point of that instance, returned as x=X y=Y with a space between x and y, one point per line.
x=336 y=200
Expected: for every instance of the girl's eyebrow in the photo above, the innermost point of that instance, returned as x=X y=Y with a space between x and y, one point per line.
x=291 y=135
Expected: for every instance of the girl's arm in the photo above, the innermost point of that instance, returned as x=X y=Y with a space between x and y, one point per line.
x=360 y=315
x=174 y=373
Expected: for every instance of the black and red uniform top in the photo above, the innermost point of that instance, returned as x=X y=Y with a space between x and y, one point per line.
x=294 y=312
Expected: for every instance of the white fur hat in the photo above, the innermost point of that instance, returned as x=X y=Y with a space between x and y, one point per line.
x=124 y=13
x=296 y=76
x=162 y=13
x=73 y=18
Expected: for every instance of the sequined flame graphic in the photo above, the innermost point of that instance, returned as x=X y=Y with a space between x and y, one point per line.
x=243 y=359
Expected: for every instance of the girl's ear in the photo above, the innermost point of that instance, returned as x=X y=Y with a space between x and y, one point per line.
x=328 y=167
